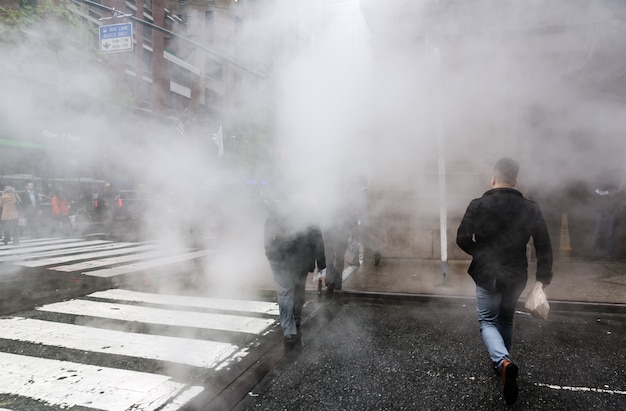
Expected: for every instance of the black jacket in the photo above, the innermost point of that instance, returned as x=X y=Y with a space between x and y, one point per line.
x=495 y=231
x=28 y=206
x=301 y=250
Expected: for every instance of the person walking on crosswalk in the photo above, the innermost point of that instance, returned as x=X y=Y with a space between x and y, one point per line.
x=293 y=248
x=495 y=231
x=60 y=212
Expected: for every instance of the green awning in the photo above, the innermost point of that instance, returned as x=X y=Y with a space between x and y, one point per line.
x=21 y=144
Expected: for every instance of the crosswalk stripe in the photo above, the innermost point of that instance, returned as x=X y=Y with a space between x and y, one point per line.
x=87 y=265
x=261 y=307
x=68 y=384
x=41 y=241
x=135 y=267
x=82 y=253
x=98 y=258
x=127 y=312
x=197 y=353
x=54 y=246
x=63 y=251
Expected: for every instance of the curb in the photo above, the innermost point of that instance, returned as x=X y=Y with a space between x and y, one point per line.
x=555 y=305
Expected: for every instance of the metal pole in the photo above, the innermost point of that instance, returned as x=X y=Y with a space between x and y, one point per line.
x=443 y=227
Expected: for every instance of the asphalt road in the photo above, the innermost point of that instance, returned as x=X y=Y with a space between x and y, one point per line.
x=376 y=356
x=365 y=354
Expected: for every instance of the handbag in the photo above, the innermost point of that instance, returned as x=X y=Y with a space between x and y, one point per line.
x=537 y=302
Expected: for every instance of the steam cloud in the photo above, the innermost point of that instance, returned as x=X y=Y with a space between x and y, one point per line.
x=358 y=89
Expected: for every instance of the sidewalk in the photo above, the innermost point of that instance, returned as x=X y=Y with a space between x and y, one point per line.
x=574 y=280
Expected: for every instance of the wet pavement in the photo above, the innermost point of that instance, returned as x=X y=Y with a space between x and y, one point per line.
x=429 y=356
x=401 y=337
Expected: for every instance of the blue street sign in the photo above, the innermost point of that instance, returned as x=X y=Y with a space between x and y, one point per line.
x=116 y=37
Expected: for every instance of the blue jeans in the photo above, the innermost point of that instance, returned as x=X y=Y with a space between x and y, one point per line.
x=286 y=280
x=496 y=309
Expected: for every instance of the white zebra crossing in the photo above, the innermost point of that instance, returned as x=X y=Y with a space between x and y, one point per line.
x=198 y=353
x=160 y=316
x=85 y=253
x=140 y=266
x=96 y=258
x=34 y=247
x=260 y=307
x=64 y=384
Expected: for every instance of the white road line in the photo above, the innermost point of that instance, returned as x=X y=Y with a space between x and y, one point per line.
x=71 y=251
x=105 y=262
x=197 y=353
x=117 y=259
x=581 y=389
x=26 y=250
x=131 y=268
x=261 y=307
x=42 y=241
x=66 y=384
x=62 y=251
x=84 y=253
x=149 y=315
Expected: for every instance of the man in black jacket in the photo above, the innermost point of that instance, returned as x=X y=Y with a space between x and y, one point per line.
x=293 y=248
x=31 y=208
x=495 y=231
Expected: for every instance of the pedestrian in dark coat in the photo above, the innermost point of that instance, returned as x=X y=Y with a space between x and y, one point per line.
x=293 y=251
x=495 y=231
x=31 y=208
x=606 y=212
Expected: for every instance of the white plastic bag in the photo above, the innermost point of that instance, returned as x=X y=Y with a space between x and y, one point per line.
x=537 y=302
x=319 y=274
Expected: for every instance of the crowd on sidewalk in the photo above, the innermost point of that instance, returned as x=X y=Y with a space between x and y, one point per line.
x=22 y=212
x=594 y=212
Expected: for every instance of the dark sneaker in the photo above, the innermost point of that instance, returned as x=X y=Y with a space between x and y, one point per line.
x=289 y=342
x=509 y=373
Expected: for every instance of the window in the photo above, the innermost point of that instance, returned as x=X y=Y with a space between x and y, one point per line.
x=145 y=94
x=147 y=61
x=209 y=24
x=214 y=69
x=147 y=34
x=213 y=100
